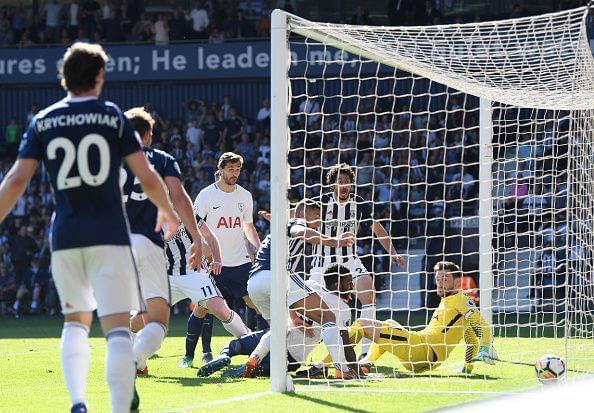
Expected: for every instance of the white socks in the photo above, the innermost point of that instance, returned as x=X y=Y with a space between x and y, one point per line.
x=333 y=342
x=235 y=326
x=147 y=342
x=76 y=356
x=120 y=369
x=263 y=347
x=367 y=311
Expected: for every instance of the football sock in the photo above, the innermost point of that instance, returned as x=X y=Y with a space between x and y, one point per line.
x=76 y=356
x=356 y=333
x=250 y=318
x=147 y=342
x=333 y=342
x=263 y=347
x=193 y=332
x=207 y=333
x=367 y=311
x=120 y=369
x=234 y=325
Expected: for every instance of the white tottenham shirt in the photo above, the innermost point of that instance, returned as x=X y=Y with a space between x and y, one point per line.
x=226 y=213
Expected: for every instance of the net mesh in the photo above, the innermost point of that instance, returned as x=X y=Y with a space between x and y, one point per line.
x=401 y=105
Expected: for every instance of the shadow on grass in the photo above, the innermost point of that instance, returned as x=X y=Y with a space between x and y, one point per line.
x=326 y=403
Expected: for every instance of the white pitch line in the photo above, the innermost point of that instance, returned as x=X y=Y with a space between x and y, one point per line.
x=215 y=402
x=299 y=389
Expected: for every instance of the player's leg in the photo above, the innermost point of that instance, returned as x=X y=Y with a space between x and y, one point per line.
x=239 y=346
x=193 y=332
x=311 y=305
x=155 y=288
x=365 y=292
x=207 y=326
x=77 y=302
x=258 y=287
x=256 y=356
x=115 y=285
x=232 y=322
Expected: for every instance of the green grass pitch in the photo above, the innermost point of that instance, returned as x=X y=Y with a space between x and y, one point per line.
x=31 y=381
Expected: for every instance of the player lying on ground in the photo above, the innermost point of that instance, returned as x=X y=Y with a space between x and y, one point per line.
x=303 y=335
x=455 y=319
x=301 y=297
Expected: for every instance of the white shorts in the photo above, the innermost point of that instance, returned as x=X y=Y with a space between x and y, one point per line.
x=354 y=264
x=152 y=269
x=259 y=291
x=197 y=286
x=101 y=277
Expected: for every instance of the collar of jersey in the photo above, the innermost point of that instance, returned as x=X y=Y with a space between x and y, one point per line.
x=79 y=99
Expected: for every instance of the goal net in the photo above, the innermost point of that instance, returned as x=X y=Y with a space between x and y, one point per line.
x=471 y=143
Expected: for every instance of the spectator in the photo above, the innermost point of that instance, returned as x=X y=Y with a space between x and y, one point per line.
x=233 y=127
x=178 y=26
x=73 y=18
x=112 y=28
x=53 y=10
x=91 y=12
x=242 y=28
x=212 y=133
x=144 y=29
x=161 y=30
x=33 y=285
x=263 y=117
x=129 y=16
x=22 y=248
x=200 y=21
x=216 y=37
x=247 y=149
x=12 y=137
x=81 y=37
x=263 y=25
x=18 y=20
x=7 y=288
x=310 y=109
x=361 y=16
x=193 y=136
x=264 y=151
x=6 y=33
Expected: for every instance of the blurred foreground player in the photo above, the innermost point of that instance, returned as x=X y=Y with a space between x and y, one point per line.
x=82 y=141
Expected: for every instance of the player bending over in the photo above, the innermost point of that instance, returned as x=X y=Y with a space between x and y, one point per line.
x=455 y=319
x=303 y=334
x=301 y=297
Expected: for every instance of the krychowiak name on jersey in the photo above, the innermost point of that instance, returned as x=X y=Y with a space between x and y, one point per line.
x=336 y=219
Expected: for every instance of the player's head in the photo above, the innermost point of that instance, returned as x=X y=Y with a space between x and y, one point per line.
x=310 y=211
x=446 y=273
x=338 y=279
x=342 y=178
x=143 y=122
x=230 y=167
x=83 y=68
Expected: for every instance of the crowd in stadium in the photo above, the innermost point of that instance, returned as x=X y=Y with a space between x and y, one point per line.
x=65 y=21
x=410 y=165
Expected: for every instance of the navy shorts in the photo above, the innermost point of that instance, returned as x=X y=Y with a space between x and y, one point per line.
x=232 y=281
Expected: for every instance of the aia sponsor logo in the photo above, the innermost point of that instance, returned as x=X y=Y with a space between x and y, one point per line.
x=229 y=222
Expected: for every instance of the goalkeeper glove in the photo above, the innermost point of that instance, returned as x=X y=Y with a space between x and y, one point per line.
x=485 y=354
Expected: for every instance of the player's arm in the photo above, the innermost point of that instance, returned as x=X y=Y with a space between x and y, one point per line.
x=384 y=239
x=315 y=237
x=154 y=187
x=183 y=206
x=477 y=336
x=213 y=244
x=251 y=234
x=14 y=184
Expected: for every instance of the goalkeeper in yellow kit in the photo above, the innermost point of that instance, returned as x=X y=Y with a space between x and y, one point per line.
x=455 y=319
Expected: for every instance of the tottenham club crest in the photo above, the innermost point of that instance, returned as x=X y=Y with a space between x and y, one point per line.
x=241 y=206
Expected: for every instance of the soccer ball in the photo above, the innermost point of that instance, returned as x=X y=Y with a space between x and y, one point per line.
x=550 y=369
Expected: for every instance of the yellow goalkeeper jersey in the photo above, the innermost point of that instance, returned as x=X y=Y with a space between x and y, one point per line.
x=455 y=319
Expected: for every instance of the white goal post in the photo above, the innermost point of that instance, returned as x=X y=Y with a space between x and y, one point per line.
x=529 y=82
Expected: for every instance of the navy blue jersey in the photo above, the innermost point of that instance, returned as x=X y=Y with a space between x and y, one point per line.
x=296 y=253
x=82 y=142
x=142 y=213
